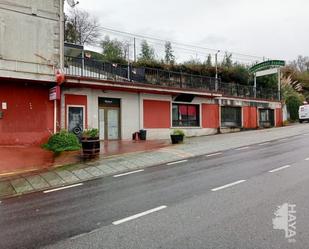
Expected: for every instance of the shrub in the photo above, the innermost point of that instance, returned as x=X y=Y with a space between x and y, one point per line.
x=293 y=102
x=62 y=141
x=178 y=132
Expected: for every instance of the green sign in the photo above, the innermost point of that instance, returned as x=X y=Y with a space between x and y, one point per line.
x=267 y=65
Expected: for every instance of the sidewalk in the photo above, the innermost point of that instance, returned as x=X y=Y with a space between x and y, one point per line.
x=57 y=177
x=29 y=158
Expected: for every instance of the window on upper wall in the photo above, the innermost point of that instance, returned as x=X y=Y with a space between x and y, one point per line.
x=186 y=115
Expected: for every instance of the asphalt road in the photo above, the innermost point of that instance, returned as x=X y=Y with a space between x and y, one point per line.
x=225 y=200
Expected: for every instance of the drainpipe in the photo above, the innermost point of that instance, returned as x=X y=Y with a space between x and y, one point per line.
x=61 y=53
x=220 y=105
x=279 y=84
x=61 y=35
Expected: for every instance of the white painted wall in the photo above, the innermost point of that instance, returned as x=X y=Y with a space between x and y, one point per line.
x=131 y=112
x=129 y=108
x=30 y=41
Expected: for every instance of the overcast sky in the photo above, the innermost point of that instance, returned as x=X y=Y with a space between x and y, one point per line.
x=270 y=28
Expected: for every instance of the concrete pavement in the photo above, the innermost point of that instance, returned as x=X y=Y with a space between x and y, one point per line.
x=192 y=147
x=195 y=215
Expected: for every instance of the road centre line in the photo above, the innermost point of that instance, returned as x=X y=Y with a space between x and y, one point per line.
x=128 y=173
x=307 y=159
x=283 y=139
x=264 y=143
x=280 y=168
x=62 y=188
x=136 y=216
x=215 y=154
x=243 y=148
x=228 y=185
x=177 y=162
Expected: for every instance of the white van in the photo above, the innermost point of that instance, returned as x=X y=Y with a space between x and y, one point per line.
x=303 y=113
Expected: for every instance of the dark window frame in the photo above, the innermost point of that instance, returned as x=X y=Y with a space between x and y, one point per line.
x=231 y=120
x=186 y=122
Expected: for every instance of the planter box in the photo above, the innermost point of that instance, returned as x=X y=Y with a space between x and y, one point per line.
x=176 y=139
x=91 y=147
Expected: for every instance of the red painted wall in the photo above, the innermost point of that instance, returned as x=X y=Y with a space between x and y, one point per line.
x=210 y=116
x=71 y=99
x=279 y=117
x=250 y=117
x=29 y=115
x=157 y=114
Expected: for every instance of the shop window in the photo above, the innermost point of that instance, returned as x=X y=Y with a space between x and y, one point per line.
x=267 y=118
x=230 y=116
x=186 y=115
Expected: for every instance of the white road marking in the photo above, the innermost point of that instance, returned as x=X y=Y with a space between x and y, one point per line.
x=136 y=216
x=284 y=139
x=307 y=159
x=264 y=143
x=172 y=163
x=281 y=168
x=228 y=185
x=62 y=188
x=129 y=173
x=215 y=154
x=243 y=148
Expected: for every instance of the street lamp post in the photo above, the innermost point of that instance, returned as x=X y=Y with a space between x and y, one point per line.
x=216 y=61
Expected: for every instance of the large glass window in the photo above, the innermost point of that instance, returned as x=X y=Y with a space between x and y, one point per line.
x=230 y=116
x=186 y=115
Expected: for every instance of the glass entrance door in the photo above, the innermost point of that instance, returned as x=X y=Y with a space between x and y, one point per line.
x=113 y=124
x=109 y=123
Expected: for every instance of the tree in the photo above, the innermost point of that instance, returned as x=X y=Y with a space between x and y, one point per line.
x=147 y=52
x=169 y=53
x=113 y=50
x=227 y=61
x=301 y=63
x=81 y=28
x=209 y=61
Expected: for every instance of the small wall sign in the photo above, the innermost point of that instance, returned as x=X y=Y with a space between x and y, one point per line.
x=54 y=93
x=4 y=106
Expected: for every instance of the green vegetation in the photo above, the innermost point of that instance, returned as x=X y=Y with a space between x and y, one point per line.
x=147 y=52
x=178 y=132
x=113 y=50
x=91 y=133
x=293 y=102
x=62 y=141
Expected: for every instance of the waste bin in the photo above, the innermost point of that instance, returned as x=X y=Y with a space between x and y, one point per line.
x=143 y=134
x=136 y=136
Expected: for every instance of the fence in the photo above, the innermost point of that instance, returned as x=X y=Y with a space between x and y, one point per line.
x=111 y=71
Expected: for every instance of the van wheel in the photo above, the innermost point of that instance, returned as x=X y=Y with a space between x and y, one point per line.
x=300 y=121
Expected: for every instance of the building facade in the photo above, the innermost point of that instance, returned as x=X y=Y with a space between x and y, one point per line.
x=118 y=100
x=119 y=107
x=31 y=49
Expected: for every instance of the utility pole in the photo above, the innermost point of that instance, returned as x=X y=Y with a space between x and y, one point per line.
x=254 y=88
x=129 y=76
x=216 y=61
x=134 y=42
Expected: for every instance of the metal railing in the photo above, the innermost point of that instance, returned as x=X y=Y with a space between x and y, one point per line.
x=90 y=68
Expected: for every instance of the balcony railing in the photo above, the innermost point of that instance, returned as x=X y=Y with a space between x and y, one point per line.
x=90 y=68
